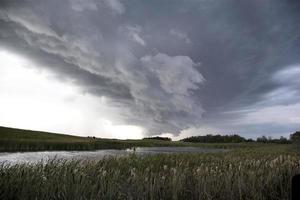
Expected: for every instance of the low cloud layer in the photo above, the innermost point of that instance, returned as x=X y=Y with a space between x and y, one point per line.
x=168 y=67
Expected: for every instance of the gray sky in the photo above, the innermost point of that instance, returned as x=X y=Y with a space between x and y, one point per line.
x=131 y=68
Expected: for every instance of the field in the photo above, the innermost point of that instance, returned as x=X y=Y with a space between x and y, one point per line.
x=12 y=140
x=247 y=171
x=261 y=172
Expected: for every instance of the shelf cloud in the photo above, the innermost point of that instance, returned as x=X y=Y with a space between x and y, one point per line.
x=168 y=67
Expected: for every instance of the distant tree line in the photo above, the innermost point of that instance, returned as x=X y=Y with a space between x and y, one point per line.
x=281 y=140
x=234 y=138
x=294 y=138
x=215 y=139
x=158 y=138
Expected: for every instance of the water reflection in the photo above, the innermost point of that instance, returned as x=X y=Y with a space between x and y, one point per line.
x=33 y=157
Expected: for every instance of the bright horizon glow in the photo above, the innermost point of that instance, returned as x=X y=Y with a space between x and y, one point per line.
x=35 y=99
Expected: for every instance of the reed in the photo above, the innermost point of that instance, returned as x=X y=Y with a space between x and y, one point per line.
x=249 y=174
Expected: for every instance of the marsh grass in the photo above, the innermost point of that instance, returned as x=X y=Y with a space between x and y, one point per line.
x=234 y=175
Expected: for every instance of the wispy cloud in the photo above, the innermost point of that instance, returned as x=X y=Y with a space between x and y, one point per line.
x=180 y=35
x=133 y=33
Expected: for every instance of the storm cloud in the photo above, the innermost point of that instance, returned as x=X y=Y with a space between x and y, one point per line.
x=170 y=66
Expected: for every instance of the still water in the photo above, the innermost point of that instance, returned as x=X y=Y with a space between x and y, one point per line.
x=34 y=157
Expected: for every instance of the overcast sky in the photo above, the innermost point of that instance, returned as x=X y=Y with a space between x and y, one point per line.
x=133 y=68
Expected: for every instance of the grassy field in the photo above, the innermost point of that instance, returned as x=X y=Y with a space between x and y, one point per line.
x=262 y=172
x=247 y=171
x=12 y=140
x=26 y=140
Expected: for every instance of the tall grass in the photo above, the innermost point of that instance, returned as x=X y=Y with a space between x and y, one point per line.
x=235 y=175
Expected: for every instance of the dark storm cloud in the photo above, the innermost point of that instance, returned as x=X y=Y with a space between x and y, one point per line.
x=88 y=42
x=165 y=63
x=92 y=83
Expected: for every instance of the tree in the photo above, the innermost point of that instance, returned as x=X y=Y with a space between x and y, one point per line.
x=262 y=139
x=215 y=139
x=158 y=138
x=295 y=137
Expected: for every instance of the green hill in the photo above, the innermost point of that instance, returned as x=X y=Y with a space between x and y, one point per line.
x=21 y=134
x=12 y=139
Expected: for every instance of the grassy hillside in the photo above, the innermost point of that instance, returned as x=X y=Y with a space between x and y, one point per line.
x=12 y=140
x=26 y=140
x=20 y=134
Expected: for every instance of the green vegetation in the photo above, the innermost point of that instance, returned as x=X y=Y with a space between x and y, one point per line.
x=158 y=138
x=215 y=139
x=281 y=140
x=251 y=170
x=238 y=139
x=12 y=140
x=295 y=137
x=261 y=172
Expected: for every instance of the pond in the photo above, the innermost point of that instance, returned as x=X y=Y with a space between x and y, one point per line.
x=34 y=157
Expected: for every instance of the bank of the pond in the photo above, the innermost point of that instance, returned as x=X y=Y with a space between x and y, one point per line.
x=44 y=156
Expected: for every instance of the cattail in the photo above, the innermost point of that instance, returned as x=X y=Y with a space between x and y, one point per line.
x=280 y=158
x=147 y=169
x=206 y=169
x=132 y=172
x=173 y=170
x=44 y=178
x=165 y=167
